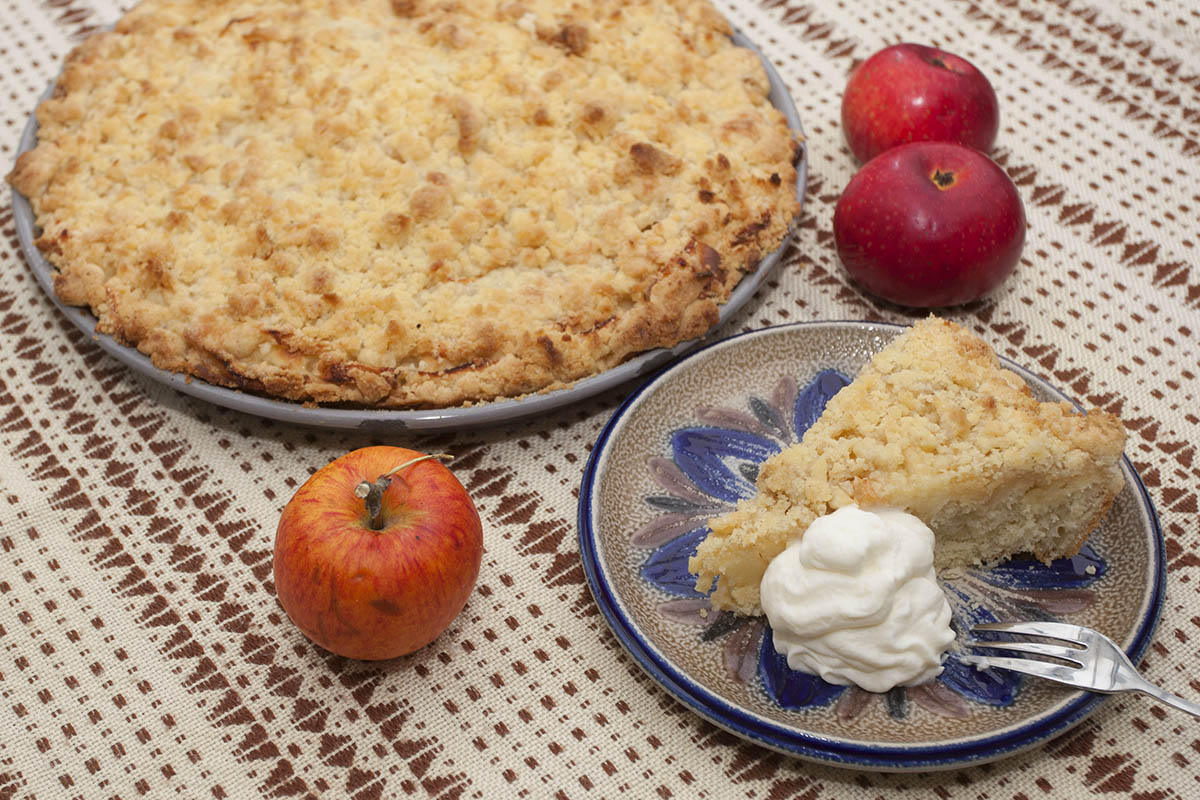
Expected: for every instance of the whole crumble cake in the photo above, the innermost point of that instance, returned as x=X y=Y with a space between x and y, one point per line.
x=934 y=425
x=407 y=203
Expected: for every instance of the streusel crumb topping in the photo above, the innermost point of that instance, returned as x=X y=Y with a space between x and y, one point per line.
x=407 y=203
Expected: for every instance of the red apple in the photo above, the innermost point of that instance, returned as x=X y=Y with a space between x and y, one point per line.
x=913 y=93
x=929 y=224
x=375 y=586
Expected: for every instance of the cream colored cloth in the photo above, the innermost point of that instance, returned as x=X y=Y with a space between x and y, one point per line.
x=142 y=651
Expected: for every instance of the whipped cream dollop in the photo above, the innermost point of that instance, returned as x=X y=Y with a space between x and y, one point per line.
x=856 y=601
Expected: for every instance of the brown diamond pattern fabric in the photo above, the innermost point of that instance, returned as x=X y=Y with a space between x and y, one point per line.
x=143 y=653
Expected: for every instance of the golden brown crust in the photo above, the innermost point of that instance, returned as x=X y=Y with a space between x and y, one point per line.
x=404 y=203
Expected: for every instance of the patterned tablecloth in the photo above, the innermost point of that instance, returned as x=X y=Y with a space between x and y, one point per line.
x=142 y=651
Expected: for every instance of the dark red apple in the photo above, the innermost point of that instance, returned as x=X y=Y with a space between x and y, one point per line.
x=377 y=553
x=913 y=93
x=929 y=224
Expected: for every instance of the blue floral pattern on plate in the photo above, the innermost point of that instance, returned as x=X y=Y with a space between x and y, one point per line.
x=714 y=464
x=688 y=444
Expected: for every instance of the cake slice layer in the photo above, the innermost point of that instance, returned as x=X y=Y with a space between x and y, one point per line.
x=936 y=426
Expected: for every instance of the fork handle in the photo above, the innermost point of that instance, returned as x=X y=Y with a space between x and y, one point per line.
x=1169 y=699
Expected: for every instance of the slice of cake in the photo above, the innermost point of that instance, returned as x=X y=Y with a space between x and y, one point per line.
x=933 y=425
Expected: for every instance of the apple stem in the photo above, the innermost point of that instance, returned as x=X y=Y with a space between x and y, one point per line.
x=943 y=179
x=372 y=493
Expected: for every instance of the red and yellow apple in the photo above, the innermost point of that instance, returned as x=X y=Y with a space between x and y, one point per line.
x=914 y=93
x=929 y=224
x=374 y=562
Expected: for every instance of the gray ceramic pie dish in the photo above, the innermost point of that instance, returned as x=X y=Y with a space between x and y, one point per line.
x=483 y=414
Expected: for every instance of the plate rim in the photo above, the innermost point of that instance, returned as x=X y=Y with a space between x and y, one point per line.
x=462 y=417
x=793 y=741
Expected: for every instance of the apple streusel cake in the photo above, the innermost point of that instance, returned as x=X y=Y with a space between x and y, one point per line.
x=934 y=426
x=407 y=203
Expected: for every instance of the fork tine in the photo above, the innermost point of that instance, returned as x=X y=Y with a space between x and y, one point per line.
x=1040 y=669
x=1037 y=648
x=1052 y=630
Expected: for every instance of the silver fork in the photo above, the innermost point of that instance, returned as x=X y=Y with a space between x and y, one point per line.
x=1092 y=660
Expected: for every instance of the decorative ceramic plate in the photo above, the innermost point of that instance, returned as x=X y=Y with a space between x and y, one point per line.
x=390 y=419
x=687 y=445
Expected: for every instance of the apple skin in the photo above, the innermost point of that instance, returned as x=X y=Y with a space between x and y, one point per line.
x=914 y=93
x=905 y=238
x=377 y=594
